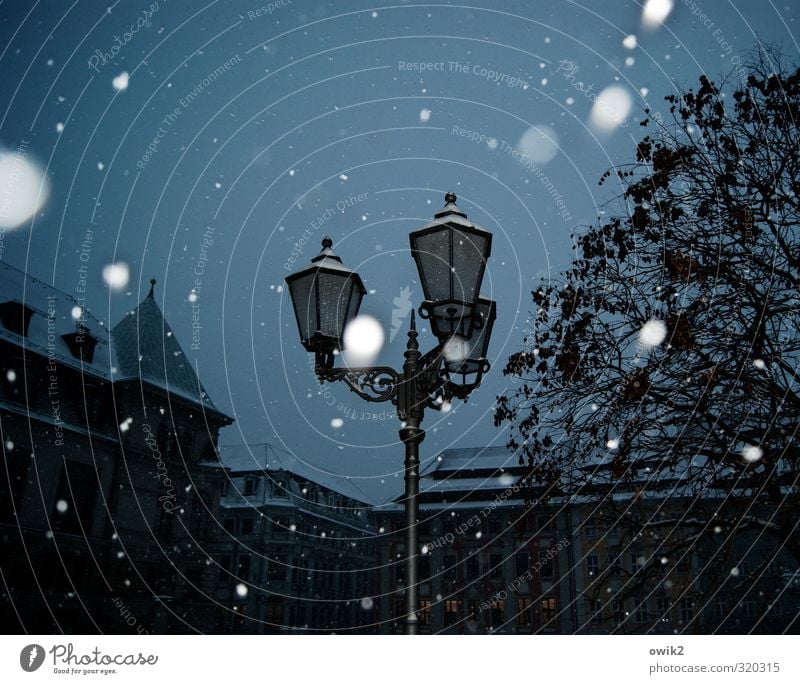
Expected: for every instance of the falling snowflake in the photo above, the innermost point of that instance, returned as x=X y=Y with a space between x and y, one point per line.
x=120 y=82
x=117 y=275
x=751 y=454
x=612 y=444
x=629 y=42
x=425 y=115
x=367 y=603
x=11 y=376
x=241 y=590
x=655 y=12
x=653 y=333
x=62 y=506
x=336 y=423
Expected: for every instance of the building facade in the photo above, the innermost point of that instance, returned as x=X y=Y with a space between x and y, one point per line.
x=104 y=507
x=292 y=555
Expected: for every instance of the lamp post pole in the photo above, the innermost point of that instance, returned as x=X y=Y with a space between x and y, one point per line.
x=451 y=253
x=412 y=434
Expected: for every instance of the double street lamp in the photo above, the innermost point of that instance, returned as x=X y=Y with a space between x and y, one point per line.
x=451 y=254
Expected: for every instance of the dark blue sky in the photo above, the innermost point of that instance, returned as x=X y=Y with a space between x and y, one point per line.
x=246 y=126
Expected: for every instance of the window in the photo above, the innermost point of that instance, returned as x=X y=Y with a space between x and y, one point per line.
x=640 y=610
x=617 y=611
x=224 y=566
x=400 y=571
x=279 y=489
x=449 y=568
x=16 y=317
x=683 y=565
x=277 y=568
x=473 y=567
x=12 y=486
x=425 y=567
x=494 y=526
x=497 y=612
x=73 y=508
x=243 y=569
x=496 y=563
x=452 y=608
x=596 y=611
x=546 y=560
x=548 y=611
x=247 y=526
x=615 y=567
x=592 y=566
x=637 y=562
x=662 y=609
x=590 y=529
x=748 y=609
x=522 y=563
x=81 y=344
x=424 y=612
x=229 y=524
x=721 y=609
x=523 y=612
x=687 y=610
x=249 y=486
x=274 y=611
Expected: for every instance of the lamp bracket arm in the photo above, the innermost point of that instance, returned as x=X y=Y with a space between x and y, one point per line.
x=373 y=383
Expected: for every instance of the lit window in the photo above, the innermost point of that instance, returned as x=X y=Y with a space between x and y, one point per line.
x=592 y=566
x=524 y=612
x=548 y=611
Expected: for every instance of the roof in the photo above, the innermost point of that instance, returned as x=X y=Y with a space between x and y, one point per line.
x=463 y=462
x=56 y=313
x=467 y=479
x=263 y=459
x=140 y=346
x=148 y=350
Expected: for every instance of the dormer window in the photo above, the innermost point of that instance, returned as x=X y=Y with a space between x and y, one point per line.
x=16 y=317
x=81 y=344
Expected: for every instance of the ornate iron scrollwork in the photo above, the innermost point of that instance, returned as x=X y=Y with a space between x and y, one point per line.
x=374 y=384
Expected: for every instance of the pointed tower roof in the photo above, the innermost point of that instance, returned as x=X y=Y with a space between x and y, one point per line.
x=147 y=349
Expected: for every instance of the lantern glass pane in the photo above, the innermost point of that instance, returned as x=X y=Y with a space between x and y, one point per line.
x=334 y=296
x=433 y=252
x=468 y=255
x=304 y=303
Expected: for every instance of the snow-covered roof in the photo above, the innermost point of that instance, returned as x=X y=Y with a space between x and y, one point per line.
x=463 y=461
x=55 y=313
x=264 y=459
x=148 y=350
x=140 y=346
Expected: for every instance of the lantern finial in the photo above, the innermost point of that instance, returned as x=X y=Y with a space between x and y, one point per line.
x=450 y=198
x=327 y=243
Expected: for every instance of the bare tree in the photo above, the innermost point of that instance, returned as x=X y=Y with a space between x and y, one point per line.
x=664 y=360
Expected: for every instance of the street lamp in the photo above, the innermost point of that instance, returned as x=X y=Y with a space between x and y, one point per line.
x=451 y=255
